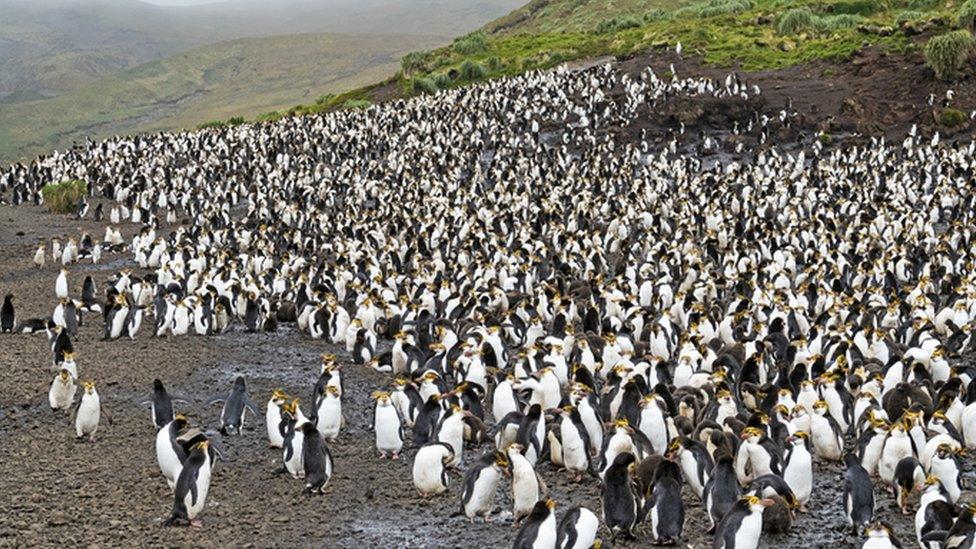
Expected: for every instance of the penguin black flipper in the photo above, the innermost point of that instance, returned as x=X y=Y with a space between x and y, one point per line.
x=215 y=400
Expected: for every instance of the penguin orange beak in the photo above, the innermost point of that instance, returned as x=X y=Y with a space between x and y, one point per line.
x=766 y=502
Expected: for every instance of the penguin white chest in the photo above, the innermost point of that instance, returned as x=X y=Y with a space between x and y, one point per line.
x=169 y=462
x=89 y=413
x=749 y=530
x=195 y=505
x=329 y=417
x=387 y=429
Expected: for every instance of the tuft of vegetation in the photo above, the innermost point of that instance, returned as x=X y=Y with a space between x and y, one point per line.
x=423 y=84
x=951 y=118
x=414 y=62
x=966 y=16
x=324 y=98
x=443 y=81
x=658 y=15
x=356 y=104
x=906 y=16
x=63 y=197
x=470 y=44
x=857 y=7
x=472 y=70
x=616 y=24
x=796 y=20
x=947 y=53
x=833 y=23
x=723 y=7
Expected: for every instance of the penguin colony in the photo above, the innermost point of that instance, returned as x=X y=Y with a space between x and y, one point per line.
x=676 y=332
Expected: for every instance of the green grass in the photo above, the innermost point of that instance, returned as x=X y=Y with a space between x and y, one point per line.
x=947 y=53
x=63 y=197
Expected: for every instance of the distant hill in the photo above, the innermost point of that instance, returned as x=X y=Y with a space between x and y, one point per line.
x=73 y=68
x=235 y=78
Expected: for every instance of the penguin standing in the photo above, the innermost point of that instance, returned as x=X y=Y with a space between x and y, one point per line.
x=721 y=491
x=316 y=459
x=88 y=413
x=387 y=426
x=742 y=525
x=798 y=467
x=880 y=536
x=666 y=510
x=539 y=530
x=235 y=405
x=292 y=438
x=620 y=503
x=578 y=529
x=858 y=494
x=192 y=487
x=480 y=483
x=272 y=418
x=40 y=256
x=170 y=455
x=527 y=487
x=8 y=318
x=62 y=393
x=430 y=466
x=575 y=443
x=328 y=412
x=162 y=405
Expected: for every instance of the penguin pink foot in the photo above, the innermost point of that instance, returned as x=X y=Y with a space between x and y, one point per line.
x=196 y=523
x=395 y=456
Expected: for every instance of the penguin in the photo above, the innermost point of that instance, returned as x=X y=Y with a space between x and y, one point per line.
x=742 y=525
x=665 y=508
x=578 y=529
x=575 y=442
x=778 y=517
x=8 y=318
x=170 y=454
x=292 y=438
x=620 y=502
x=945 y=466
x=826 y=434
x=909 y=476
x=272 y=418
x=39 y=256
x=316 y=459
x=235 y=404
x=527 y=486
x=62 y=393
x=387 y=426
x=192 y=487
x=161 y=404
x=61 y=284
x=798 y=467
x=858 y=494
x=480 y=483
x=880 y=536
x=721 y=491
x=695 y=461
x=328 y=412
x=539 y=529
x=430 y=466
x=88 y=413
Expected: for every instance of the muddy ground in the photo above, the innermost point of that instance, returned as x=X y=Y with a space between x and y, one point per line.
x=58 y=491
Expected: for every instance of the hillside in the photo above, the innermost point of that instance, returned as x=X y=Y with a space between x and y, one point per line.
x=749 y=35
x=236 y=78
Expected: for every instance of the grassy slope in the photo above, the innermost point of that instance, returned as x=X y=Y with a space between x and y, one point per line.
x=544 y=33
x=236 y=78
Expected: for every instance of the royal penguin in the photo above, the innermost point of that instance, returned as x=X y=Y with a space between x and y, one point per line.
x=575 y=443
x=620 y=501
x=742 y=525
x=88 y=413
x=827 y=436
x=527 y=486
x=578 y=529
x=316 y=459
x=387 y=426
x=909 y=477
x=192 y=487
x=62 y=392
x=721 y=491
x=292 y=437
x=880 y=536
x=236 y=403
x=161 y=405
x=430 y=466
x=946 y=467
x=8 y=317
x=695 y=462
x=666 y=511
x=170 y=454
x=328 y=416
x=480 y=483
x=798 y=467
x=858 y=494
x=272 y=418
x=539 y=529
